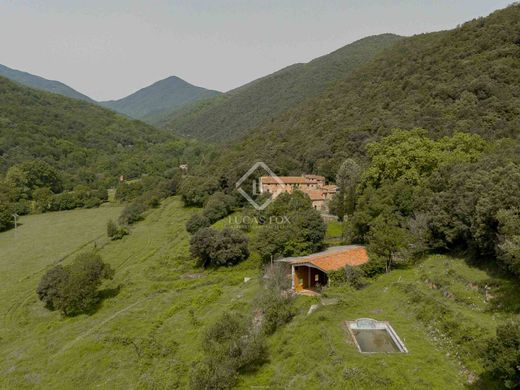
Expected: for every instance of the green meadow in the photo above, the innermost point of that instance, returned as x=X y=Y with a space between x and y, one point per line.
x=146 y=333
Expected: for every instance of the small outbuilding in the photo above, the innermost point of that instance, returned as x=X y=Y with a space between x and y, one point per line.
x=308 y=273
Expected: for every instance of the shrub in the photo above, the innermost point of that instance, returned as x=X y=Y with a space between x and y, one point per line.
x=231 y=344
x=132 y=213
x=73 y=289
x=197 y=222
x=115 y=232
x=276 y=309
x=218 y=206
x=6 y=218
x=215 y=248
x=353 y=276
x=502 y=355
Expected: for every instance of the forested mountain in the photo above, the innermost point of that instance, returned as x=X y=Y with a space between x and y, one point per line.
x=465 y=79
x=237 y=112
x=40 y=83
x=83 y=141
x=159 y=100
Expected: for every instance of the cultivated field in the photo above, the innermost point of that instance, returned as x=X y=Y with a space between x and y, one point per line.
x=146 y=333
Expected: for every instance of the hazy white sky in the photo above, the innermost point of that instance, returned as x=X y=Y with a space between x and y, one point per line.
x=110 y=48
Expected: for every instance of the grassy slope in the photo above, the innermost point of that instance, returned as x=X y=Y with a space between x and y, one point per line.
x=148 y=335
x=314 y=351
x=152 y=309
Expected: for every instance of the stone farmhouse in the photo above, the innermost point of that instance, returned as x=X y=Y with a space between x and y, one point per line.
x=313 y=185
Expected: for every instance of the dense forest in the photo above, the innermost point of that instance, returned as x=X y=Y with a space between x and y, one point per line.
x=446 y=179
x=234 y=114
x=64 y=153
x=464 y=79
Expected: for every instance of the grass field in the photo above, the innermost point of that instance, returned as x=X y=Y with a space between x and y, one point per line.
x=146 y=334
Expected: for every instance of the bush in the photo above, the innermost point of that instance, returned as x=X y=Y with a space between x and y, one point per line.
x=73 y=289
x=218 y=206
x=276 y=309
x=115 y=232
x=197 y=222
x=231 y=344
x=502 y=355
x=6 y=218
x=353 y=276
x=132 y=213
x=215 y=248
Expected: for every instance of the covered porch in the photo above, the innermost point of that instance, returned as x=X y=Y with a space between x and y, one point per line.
x=308 y=278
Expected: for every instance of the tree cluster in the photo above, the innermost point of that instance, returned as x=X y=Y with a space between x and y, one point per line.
x=73 y=289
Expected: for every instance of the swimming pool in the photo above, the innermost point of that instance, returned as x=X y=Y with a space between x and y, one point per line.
x=371 y=336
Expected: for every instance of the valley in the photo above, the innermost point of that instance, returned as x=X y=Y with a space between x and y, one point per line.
x=347 y=222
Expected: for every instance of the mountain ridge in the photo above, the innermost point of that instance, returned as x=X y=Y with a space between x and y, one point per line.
x=153 y=101
x=234 y=114
x=41 y=83
x=464 y=79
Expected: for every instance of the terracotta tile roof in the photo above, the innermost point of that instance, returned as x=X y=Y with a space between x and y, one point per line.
x=315 y=194
x=287 y=180
x=315 y=177
x=330 y=188
x=334 y=258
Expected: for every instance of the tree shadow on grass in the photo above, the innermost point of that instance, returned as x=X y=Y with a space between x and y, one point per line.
x=502 y=290
x=484 y=382
x=103 y=294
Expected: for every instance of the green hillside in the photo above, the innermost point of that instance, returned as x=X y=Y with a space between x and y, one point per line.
x=147 y=333
x=155 y=102
x=78 y=138
x=465 y=79
x=40 y=83
x=237 y=112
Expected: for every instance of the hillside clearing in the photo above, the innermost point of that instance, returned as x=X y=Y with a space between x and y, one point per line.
x=147 y=332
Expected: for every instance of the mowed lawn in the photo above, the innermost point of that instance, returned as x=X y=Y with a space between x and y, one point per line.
x=147 y=332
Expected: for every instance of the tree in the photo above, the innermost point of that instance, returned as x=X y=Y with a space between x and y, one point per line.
x=6 y=217
x=51 y=286
x=502 y=355
x=508 y=245
x=132 y=213
x=115 y=232
x=33 y=174
x=43 y=198
x=297 y=229
x=218 y=206
x=215 y=248
x=346 y=179
x=387 y=240
x=197 y=222
x=73 y=289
